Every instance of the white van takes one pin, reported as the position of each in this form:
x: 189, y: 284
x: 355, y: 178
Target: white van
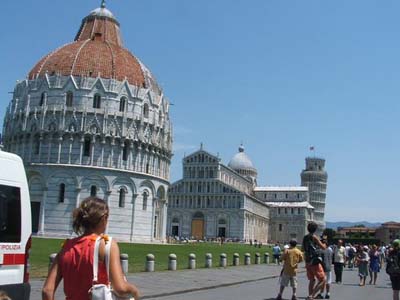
x: 15, y: 227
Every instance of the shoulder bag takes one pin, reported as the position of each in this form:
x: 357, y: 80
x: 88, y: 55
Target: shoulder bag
x: 103, y: 291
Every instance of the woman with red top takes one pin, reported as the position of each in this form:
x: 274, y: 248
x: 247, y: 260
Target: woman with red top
x: 74, y: 263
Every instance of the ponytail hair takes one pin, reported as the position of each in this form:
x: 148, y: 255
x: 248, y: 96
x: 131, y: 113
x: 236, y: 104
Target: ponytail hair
x: 88, y: 214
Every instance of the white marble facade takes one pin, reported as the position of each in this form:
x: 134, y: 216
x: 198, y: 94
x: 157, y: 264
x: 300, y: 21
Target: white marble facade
x: 82, y: 135
x: 213, y: 200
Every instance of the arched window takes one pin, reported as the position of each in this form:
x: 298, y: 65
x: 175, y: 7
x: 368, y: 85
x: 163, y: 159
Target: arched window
x: 86, y: 147
x: 125, y: 151
x: 42, y: 99
x: 122, y: 104
x: 97, y: 101
x: 146, y: 110
x: 70, y: 99
x: 93, y: 191
x: 145, y: 197
x: 61, y: 193
x: 122, y: 193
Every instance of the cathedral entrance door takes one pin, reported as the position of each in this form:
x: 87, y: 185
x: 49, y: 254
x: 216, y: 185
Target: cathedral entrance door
x: 198, y: 229
x: 221, y: 232
x: 198, y: 226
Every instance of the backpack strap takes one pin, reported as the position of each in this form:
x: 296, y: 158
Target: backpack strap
x: 107, y: 257
x: 96, y: 257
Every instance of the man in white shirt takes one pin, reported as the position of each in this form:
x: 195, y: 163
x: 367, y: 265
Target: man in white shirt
x: 339, y: 257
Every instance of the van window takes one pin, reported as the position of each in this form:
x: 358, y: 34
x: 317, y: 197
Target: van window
x: 10, y: 214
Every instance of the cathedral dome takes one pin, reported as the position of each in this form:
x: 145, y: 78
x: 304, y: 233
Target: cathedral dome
x: 240, y: 161
x: 97, y: 51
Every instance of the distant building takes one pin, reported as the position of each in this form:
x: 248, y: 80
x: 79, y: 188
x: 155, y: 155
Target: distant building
x: 214, y: 200
x: 388, y: 232
x: 91, y: 120
x: 356, y: 232
x: 290, y: 211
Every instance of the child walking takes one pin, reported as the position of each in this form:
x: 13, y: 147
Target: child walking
x: 291, y: 257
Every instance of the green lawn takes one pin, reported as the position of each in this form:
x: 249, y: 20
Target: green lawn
x: 42, y: 248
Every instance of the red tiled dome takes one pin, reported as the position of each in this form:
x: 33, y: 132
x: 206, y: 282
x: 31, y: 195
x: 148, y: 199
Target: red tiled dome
x: 96, y: 51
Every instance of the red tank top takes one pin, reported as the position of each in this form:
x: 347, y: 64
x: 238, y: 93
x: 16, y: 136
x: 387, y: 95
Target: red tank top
x: 76, y: 267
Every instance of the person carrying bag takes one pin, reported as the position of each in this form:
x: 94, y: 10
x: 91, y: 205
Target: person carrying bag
x: 103, y: 291
x: 89, y: 262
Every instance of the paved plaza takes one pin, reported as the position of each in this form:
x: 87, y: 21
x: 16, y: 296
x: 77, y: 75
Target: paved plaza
x: 255, y: 282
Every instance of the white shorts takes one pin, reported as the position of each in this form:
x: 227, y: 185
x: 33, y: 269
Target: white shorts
x: 328, y: 277
x: 286, y: 279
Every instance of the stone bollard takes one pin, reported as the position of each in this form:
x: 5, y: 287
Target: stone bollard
x: 192, y: 261
x: 257, y: 260
x: 247, y: 259
x: 149, y: 263
x: 222, y: 260
x: 266, y: 258
x: 236, y: 259
x: 52, y: 257
x: 208, y: 262
x: 172, y: 262
x: 124, y: 258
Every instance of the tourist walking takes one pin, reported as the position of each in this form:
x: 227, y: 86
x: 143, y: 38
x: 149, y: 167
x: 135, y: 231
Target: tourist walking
x: 362, y: 259
x: 393, y: 268
x: 339, y: 258
x: 74, y: 263
x: 328, y: 257
x: 374, y: 264
x: 276, y: 252
x: 350, y: 256
x: 315, y: 272
x: 291, y: 258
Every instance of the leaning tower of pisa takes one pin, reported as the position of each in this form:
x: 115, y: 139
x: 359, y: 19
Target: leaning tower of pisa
x: 315, y: 178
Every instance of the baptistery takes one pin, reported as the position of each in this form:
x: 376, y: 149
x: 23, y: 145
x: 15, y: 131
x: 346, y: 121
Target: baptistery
x: 91, y: 120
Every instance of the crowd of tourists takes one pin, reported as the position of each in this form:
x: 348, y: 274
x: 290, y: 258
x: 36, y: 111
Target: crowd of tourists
x: 321, y: 259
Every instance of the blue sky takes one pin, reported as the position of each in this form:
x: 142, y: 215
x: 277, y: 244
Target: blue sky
x: 278, y: 75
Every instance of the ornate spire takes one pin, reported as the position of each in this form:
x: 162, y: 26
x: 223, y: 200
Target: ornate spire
x: 103, y: 4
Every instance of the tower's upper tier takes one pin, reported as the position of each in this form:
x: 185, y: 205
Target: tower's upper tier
x: 97, y: 51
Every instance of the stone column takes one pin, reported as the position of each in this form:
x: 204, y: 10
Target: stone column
x: 78, y: 195
x: 71, y: 141
x: 60, y: 140
x: 40, y: 147
x: 81, y: 149
x: 121, y: 152
x: 42, y: 214
x: 92, y: 149
x: 164, y: 217
x: 49, y: 148
x: 130, y: 155
x: 111, y: 159
x: 133, y: 216
x: 103, y: 142
x: 107, y: 199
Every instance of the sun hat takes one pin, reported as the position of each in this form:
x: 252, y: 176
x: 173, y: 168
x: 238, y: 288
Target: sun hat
x: 396, y: 243
x: 365, y: 247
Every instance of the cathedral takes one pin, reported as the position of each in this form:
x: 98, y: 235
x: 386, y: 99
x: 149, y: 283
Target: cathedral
x: 91, y: 120
x: 214, y: 200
